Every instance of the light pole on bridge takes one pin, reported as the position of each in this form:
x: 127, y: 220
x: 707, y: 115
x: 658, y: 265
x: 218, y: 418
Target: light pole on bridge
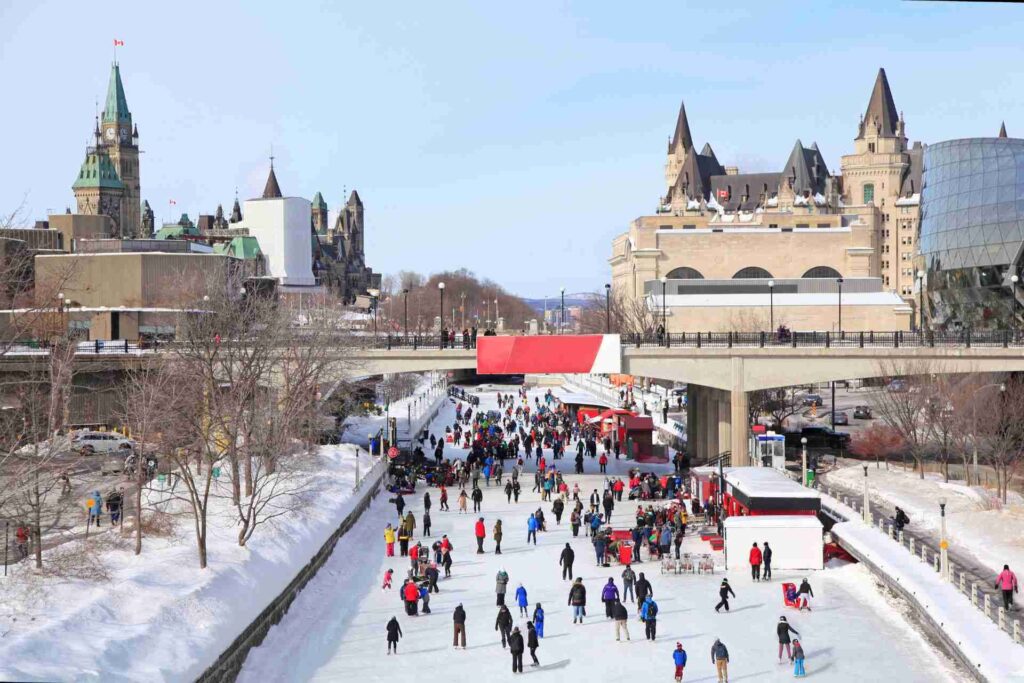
x: 405, y: 296
x: 608, y: 309
x: 561, y: 321
x: 440, y: 319
x: 839, y: 281
x: 771, y: 307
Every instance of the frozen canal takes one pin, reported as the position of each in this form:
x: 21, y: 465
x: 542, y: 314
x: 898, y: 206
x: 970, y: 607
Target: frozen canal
x: 335, y: 630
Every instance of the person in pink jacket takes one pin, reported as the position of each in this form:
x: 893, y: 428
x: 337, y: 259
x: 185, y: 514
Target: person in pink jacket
x: 1007, y: 582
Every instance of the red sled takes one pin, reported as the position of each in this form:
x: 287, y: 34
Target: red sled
x: 789, y: 589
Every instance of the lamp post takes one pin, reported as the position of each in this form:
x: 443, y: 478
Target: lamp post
x: 440, y: 319
x: 664, y: 307
x: 920, y: 301
x: 405, y: 296
x: 1013, y: 304
x: 803, y: 459
x: 487, y: 312
x: 771, y: 306
x: 463, y: 310
x: 943, y: 543
x: 839, y: 281
x: 867, y: 503
x: 608, y: 309
x: 974, y: 422
x: 63, y: 323
x: 561, y: 322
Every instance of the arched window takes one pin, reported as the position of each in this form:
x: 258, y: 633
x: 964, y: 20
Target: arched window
x: 869, y: 193
x: 751, y: 272
x: 822, y: 271
x: 684, y: 273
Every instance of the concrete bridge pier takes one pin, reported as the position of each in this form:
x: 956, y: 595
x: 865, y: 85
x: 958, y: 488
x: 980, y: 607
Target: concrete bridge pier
x: 710, y: 426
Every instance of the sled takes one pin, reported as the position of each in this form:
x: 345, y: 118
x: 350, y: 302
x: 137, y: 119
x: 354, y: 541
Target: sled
x: 787, y: 590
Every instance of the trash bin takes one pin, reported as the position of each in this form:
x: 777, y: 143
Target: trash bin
x: 625, y: 553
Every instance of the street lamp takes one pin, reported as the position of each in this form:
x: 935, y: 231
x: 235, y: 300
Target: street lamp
x: 771, y: 306
x: 920, y: 300
x: 561, y: 323
x: 839, y: 281
x: 608, y: 309
x: 1013, y: 304
x: 974, y: 422
x: 463, y: 310
x: 440, y: 288
x: 867, y: 503
x: 943, y: 543
x: 63, y: 322
x: 405, y: 295
x: 496, y: 316
x: 664, y: 307
x: 803, y: 458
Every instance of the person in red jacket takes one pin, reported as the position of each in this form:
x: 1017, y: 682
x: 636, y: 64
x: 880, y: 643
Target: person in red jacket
x: 481, y: 533
x: 603, y: 462
x: 411, y: 593
x: 755, y: 562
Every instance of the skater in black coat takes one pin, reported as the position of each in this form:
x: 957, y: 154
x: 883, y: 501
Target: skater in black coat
x: 566, y: 560
x: 642, y: 588
x: 532, y: 642
x: 503, y: 624
x: 515, y: 646
x: 783, y: 629
x: 399, y: 504
x: 394, y: 633
x: 766, y: 557
x: 723, y: 592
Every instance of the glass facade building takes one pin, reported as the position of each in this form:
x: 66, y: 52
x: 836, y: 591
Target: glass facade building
x: 972, y: 233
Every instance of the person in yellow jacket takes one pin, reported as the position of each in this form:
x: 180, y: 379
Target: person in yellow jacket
x: 389, y: 541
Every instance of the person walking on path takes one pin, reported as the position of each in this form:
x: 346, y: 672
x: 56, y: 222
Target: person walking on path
x: 522, y: 601
x: 804, y: 595
x: 628, y: 579
x: 389, y: 541
x: 516, y: 647
x: 643, y: 591
x: 766, y: 557
x: 444, y: 499
x: 480, y: 531
x: 411, y: 595
x: 574, y: 523
x: 558, y: 507
x: 724, y: 591
x: 531, y: 529
x: 538, y: 620
x: 755, y: 562
x: 459, y: 625
x: 566, y: 559
x: 609, y: 596
x: 798, y: 659
x: 478, y: 498
x: 679, y: 659
x: 399, y: 504
x: 426, y: 522
x: 783, y: 629
x: 426, y: 501
x: 394, y: 633
x: 508, y: 491
x: 503, y: 624
x: 720, y: 658
x: 463, y: 498
x: 1007, y: 583
x: 501, y: 585
x: 578, y: 600
x: 497, y: 537
x: 621, y: 617
x: 532, y: 642
x: 649, y: 615
x: 403, y: 541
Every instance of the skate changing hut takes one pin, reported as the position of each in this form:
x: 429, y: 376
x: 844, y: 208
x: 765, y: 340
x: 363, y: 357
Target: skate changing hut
x: 797, y: 541
x: 754, y: 491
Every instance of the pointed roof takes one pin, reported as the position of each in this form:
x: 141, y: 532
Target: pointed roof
x: 318, y: 201
x: 272, y: 190
x: 708, y: 152
x: 116, y: 109
x: 807, y: 169
x: 97, y: 171
x: 354, y: 199
x: 881, y: 114
x: 1002, y: 130
x: 681, y: 136
x: 236, y: 213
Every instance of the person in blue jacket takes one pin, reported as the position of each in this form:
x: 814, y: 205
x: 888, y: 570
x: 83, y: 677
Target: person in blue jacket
x: 522, y: 601
x: 679, y: 658
x: 538, y: 620
x: 531, y: 529
x: 649, y: 615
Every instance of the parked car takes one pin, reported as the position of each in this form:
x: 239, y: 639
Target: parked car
x: 813, y: 400
x: 818, y: 437
x: 841, y: 418
x: 899, y: 386
x: 88, y: 443
x: 862, y: 413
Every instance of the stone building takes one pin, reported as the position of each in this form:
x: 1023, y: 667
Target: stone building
x: 108, y: 180
x: 341, y: 261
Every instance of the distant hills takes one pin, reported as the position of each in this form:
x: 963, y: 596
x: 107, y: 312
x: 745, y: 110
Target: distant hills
x: 553, y: 302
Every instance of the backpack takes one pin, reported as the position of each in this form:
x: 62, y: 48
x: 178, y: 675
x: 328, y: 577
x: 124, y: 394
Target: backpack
x: 652, y: 610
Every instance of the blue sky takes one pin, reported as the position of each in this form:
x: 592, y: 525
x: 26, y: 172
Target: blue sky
x: 514, y: 139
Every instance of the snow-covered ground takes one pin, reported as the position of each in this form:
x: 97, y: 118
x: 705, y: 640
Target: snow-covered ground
x: 417, y: 406
x: 976, y: 520
x: 157, y: 616
x: 336, y: 628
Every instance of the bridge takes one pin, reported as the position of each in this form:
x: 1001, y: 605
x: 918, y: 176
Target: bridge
x: 719, y: 368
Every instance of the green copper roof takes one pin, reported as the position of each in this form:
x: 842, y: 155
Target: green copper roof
x: 171, y: 231
x: 116, y: 110
x: 318, y: 200
x: 97, y: 171
x: 244, y: 247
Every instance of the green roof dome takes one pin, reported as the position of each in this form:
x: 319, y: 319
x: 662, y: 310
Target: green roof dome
x: 98, y: 171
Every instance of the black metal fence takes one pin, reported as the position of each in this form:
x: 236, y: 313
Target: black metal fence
x: 828, y: 339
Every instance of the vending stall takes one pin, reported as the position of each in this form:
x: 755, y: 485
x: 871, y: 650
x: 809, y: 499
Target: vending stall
x: 757, y: 491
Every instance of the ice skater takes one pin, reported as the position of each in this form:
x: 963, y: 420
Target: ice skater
x: 394, y: 633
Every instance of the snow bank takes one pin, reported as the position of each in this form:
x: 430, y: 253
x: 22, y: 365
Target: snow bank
x: 159, y: 617
x: 976, y: 520
x: 980, y: 640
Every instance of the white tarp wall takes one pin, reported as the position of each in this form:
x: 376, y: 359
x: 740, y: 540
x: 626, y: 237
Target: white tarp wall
x: 796, y: 541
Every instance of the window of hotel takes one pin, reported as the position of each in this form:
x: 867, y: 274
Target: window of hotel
x: 684, y: 273
x: 751, y: 272
x: 689, y: 226
x: 822, y: 271
x: 823, y: 225
x: 871, y: 147
x: 869, y: 193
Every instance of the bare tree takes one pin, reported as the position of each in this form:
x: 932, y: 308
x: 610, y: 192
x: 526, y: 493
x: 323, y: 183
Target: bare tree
x: 906, y: 411
x: 1001, y: 433
x: 626, y: 315
x: 878, y: 441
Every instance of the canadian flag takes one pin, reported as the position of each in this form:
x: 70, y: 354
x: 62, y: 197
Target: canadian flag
x: 172, y: 202
x: 118, y: 43
x: 723, y: 194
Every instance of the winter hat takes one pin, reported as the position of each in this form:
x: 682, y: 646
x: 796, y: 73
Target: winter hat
x: 679, y: 646
x: 782, y: 618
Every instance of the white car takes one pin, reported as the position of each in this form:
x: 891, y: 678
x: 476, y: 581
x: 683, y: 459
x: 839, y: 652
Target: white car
x: 88, y: 443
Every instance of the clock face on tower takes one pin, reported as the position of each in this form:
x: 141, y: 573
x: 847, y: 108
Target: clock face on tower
x: 110, y: 133
x: 124, y: 135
